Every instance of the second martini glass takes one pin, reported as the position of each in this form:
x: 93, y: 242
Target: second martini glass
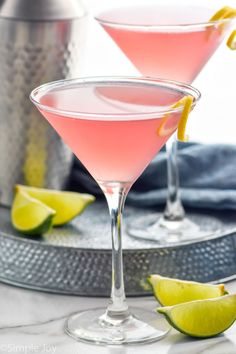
x: 174, y: 42
x: 115, y: 126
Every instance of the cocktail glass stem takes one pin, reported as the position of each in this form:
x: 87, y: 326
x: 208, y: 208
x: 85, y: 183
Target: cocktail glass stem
x: 174, y: 210
x: 173, y: 226
x: 115, y: 194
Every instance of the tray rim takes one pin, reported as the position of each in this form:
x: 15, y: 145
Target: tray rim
x: 226, y: 233
x: 225, y: 239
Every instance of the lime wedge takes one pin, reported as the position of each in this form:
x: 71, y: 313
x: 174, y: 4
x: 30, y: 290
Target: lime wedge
x: 30, y: 216
x: 66, y: 204
x: 169, y: 292
x: 202, y: 318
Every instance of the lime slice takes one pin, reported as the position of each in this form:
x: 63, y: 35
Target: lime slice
x: 202, y: 318
x: 30, y: 216
x: 169, y: 292
x: 231, y: 43
x: 164, y: 129
x: 66, y: 204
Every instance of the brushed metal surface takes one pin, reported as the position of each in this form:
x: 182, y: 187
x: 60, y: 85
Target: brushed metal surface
x: 42, y: 10
x: 32, y: 53
x: 76, y: 259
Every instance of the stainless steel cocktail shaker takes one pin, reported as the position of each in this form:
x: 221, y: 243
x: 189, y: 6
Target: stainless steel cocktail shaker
x: 40, y: 41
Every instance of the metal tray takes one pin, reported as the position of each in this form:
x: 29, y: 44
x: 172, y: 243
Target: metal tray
x: 76, y: 259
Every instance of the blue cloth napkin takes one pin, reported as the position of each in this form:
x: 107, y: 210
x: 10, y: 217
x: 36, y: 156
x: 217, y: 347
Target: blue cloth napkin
x: 207, y: 178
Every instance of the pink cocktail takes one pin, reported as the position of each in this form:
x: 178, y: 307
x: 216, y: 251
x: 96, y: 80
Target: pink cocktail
x: 115, y: 126
x: 172, y: 42
x: 113, y: 150
x: 159, y: 41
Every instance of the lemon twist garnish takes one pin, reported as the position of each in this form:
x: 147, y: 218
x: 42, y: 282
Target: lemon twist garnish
x: 231, y: 43
x: 225, y: 13
x: 163, y: 130
x: 221, y: 14
x: 186, y: 102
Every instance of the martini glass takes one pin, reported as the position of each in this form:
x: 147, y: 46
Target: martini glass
x: 173, y: 42
x: 105, y: 134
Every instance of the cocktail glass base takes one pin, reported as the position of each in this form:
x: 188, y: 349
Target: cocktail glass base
x: 156, y: 228
x: 94, y: 326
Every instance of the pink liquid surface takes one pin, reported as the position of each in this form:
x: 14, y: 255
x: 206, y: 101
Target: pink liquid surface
x: 171, y: 53
x: 112, y: 147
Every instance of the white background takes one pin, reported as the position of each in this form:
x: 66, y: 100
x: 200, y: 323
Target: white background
x: 214, y: 120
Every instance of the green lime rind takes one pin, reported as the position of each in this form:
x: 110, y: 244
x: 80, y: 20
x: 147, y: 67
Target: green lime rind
x: 194, y: 335
x: 202, y: 318
x: 169, y: 292
x: 30, y: 216
x: 40, y: 230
